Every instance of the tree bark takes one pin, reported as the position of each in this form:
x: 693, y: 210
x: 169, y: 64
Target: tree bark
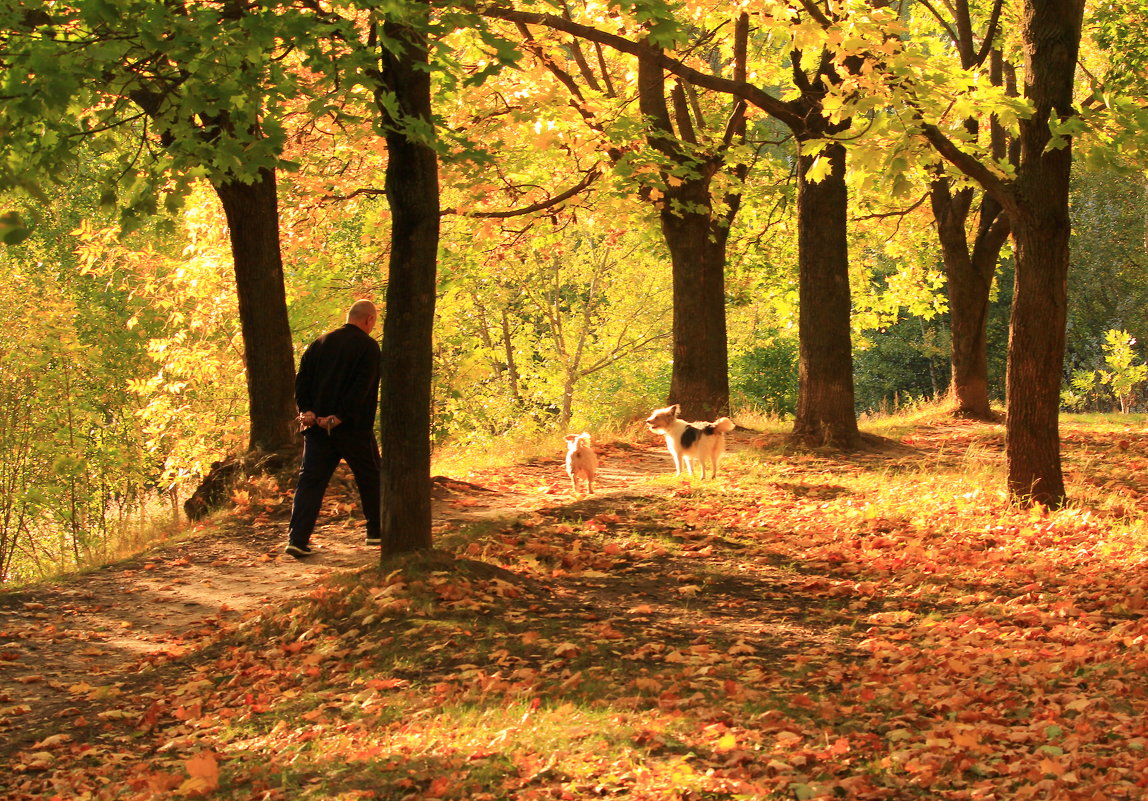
x: 969, y: 270
x: 1035, y: 358
x: 696, y: 238
x: 252, y: 212
x: 1051, y: 37
x: 969, y: 278
x: 825, y: 401
x: 407, y: 346
x: 697, y: 245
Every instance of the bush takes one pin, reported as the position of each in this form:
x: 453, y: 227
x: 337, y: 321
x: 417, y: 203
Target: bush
x: 764, y: 377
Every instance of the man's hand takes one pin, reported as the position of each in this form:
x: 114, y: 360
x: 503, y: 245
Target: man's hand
x: 306, y: 420
x: 328, y: 422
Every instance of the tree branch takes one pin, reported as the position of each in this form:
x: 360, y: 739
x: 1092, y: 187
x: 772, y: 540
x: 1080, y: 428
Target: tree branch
x: 578, y: 100
x: 580, y: 59
x: 887, y: 214
x: 990, y: 34
x: 368, y: 191
x: 682, y: 113
x: 610, y: 90
x: 652, y: 103
x: 747, y: 91
x: 818, y: 15
x: 941, y: 21
x: 591, y: 176
x: 970, y: 166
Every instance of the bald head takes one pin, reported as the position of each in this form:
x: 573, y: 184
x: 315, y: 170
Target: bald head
x: 362, y: 314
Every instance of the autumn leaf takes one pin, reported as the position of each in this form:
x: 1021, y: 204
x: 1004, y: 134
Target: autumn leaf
x: 53, y: 740
x: 567, y: 650
x: 203, y: 774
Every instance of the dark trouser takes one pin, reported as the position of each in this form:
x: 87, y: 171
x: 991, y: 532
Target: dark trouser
x: 322, y: 452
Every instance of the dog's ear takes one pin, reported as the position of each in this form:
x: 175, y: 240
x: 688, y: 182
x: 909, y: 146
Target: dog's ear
x: 676, y: 409
x: 571, y: 437
x: 586, y: 436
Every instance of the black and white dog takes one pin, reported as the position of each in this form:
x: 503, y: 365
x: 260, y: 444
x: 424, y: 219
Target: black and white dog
x: 691, y: 442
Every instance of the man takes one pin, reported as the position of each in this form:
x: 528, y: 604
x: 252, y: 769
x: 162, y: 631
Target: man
x: 337, y: 393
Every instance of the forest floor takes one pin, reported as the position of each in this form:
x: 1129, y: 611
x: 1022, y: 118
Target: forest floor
x: 93, y: 628
x: 876, y: 625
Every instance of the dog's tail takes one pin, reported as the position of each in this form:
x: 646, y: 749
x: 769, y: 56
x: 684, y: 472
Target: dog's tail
x: 724, y: 425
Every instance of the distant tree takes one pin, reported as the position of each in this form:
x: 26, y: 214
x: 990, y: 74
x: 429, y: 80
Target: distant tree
x: 764, y: 377
x: 904, y: 362
x: 692, y: 175
x: 1125, y: 370
x: 77, y: 469
x: 77, y: 70
x: 1106, y: 286
x: 971, y: 259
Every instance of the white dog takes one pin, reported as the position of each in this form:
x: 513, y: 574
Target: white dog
x: 581, y: 461
x: 691, y: 442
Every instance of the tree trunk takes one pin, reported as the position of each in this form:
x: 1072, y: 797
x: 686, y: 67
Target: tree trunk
x: 567, y: 412
x: 696, y: 238
x: 1035, y: 359
x: 407, y: 347
x: 511, y: 362
x: 252, y: 212
x: 969, y: 271
x: 825, y: 395
x: 697, y: 241
x: 969, y: 278
x: 1051, y: 36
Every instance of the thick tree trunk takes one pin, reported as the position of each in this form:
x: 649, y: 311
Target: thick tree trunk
x: 969, y: 277
x: 825, y: 395
x: 1051, y: 36
x: 969, y: 270
x: 407, y: 347
x: 252, y: 212
x: 697, y: 242
x: 696, y: 238
x: 1035, y: 358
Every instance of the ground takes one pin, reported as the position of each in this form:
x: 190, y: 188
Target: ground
x: 883, y: 624
x: 58, y: 640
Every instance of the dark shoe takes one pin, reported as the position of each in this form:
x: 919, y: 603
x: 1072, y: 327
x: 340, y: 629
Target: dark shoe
x: 373, y: 542
x: 299, y: 551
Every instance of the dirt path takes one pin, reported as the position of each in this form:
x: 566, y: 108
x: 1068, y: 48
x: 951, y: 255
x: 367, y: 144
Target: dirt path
x: 67, y: 642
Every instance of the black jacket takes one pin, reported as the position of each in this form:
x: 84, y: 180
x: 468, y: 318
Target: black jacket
x: 339, y: 375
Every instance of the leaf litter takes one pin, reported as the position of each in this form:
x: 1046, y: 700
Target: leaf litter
x: 875, y: 626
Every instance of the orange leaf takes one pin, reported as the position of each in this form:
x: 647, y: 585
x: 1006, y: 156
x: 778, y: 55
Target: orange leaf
x: 203, y: 770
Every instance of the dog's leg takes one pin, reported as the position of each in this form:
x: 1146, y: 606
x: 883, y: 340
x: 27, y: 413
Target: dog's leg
x: 718, y: 451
